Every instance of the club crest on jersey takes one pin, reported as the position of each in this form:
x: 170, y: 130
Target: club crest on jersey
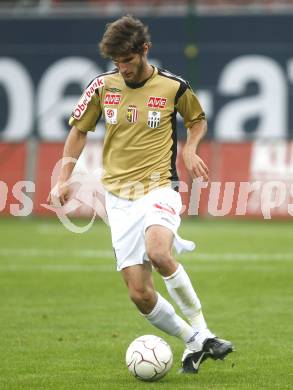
x: 112, y: 99
x: 154, y: 118
x: 157, y: 102
x: 111, y: 115
x: 132, y: 113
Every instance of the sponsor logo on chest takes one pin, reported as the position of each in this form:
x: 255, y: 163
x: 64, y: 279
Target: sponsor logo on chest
x: 112, y: 99
x: 157, y: 102
x: 154, y: 118
x: 132, y: 113
x: 111, y: 115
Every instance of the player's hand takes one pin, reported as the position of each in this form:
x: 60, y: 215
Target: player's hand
x: 59, y: 195
x: 195, y: 165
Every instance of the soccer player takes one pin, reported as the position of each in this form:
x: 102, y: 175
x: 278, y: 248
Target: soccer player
x: 139, y: 103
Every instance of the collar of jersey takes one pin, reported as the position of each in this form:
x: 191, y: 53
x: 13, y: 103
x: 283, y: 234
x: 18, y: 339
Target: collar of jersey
x: 142, y: 83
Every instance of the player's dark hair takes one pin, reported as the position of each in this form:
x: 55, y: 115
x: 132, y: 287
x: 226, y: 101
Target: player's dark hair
x: 124, y: 36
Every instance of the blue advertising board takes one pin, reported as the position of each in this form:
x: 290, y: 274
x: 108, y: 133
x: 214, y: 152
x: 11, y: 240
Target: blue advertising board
x: 241, y: 67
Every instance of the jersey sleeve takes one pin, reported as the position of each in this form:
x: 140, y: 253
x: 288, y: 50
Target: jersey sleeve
x: 88, y: 110
x: 189, y: 107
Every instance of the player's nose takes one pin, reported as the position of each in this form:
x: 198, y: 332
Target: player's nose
x: 123, y: 68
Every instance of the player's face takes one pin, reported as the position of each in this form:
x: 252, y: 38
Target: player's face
x: 131, y: 67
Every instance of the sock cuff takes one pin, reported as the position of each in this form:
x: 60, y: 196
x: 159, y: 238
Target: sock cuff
x: 178, y: 270
x: 156, y: 308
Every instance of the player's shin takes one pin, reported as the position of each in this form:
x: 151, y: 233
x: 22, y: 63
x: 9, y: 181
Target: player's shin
x: 182, y: 292
x: 163, y: 316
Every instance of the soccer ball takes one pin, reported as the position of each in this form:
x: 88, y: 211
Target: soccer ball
x: 149, y: 358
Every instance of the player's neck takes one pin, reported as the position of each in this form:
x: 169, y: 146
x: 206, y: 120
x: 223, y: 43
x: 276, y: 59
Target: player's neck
x: 146, y: 73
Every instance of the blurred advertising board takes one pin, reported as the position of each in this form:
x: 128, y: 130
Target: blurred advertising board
x: 240, y: 66
x: 250, y: 179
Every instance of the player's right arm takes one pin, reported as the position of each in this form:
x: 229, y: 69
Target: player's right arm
x: 83, y: 119
x: 73, y: 147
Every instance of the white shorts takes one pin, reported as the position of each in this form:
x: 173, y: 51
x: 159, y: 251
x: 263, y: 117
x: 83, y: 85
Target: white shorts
x: 129, y: 220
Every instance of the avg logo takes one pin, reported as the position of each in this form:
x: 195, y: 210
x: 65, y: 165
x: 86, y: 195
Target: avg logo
x: 157, y: 102
x: 112, y: 98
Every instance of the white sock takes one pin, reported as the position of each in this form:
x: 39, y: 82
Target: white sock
x: 180, y: 289
x: 163, y: 316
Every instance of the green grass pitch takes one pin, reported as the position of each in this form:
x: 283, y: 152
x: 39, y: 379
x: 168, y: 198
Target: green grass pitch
x: 66, y: 320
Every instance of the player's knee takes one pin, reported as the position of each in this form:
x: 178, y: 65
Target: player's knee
x: 142, y: 296
x: 157, y: 255
x: 160, y: 259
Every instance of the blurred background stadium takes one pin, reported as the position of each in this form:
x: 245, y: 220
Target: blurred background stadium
x: 65, y: 318
x: 237, y: 56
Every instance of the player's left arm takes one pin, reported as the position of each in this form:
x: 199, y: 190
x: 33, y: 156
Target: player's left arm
x: 193, y: 163
x: 194, y: 120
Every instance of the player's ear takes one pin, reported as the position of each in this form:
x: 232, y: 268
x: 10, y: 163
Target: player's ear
x: 146, y: 46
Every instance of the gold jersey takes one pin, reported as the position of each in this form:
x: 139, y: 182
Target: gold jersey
x: 140, y: 143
